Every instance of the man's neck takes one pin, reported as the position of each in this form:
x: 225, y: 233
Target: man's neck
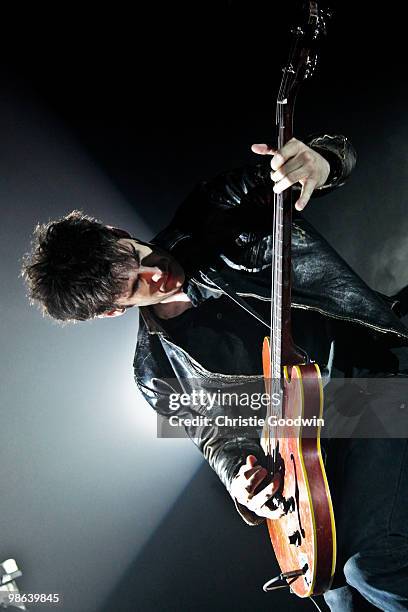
x: 173, y: 307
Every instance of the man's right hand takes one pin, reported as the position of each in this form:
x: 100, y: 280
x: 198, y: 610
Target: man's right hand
x: 244, y: 486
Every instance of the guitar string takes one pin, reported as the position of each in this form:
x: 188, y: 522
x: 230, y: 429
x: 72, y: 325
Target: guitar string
x: 275, y: 348
x: 276, y: 298
x: 271, y: 456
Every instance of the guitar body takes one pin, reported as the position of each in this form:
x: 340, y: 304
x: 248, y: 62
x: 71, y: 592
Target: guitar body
x: 305, y: 533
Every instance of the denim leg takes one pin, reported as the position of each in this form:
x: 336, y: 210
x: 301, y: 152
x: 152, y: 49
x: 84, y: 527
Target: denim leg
x: 381, y: 578
x: 347, y: 599
x: 369, y: 483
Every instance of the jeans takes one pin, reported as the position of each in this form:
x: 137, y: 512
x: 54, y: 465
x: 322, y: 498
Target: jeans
x: 369, y: 479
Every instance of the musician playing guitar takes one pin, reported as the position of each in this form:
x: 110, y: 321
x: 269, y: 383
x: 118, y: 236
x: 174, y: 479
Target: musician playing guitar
x: 203, y: 287
x: 227, y: 217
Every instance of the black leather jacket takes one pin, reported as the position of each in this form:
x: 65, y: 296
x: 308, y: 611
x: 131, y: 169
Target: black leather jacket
x: 224, y: 226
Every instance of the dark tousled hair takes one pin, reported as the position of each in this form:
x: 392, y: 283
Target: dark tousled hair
x: 75, y: 270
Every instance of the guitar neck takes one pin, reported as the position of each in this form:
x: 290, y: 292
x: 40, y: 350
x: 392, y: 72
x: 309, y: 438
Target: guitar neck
x: 283, y: 349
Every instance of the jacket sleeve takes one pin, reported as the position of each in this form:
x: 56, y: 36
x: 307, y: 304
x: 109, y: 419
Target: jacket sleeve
x: 224, y: 453
x: 340, y: 154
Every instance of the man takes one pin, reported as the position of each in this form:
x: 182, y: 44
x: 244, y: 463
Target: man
x: 193, y: 335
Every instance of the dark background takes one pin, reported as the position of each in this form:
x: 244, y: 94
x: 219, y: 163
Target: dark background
x: 164, y: 94
x: 161, y: 95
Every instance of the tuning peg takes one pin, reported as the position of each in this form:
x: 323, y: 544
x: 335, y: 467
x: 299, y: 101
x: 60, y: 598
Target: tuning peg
x: 297, y: 30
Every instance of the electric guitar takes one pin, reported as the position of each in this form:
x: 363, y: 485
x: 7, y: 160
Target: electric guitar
x: 304, y: 535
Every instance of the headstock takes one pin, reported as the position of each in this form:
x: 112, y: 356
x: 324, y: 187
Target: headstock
x: 311, y: 28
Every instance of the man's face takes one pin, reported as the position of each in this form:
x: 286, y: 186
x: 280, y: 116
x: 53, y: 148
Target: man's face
x: 155, y: 277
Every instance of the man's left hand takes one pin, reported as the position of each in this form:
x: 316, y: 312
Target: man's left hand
x: 295, y: 162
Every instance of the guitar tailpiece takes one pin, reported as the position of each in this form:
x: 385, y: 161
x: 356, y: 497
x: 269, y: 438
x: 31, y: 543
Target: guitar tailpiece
x: 284, y: 577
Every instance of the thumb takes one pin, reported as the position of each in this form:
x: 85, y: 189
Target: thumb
x: 251, y: 461
x: 263, y: 149
x: 305, y: 195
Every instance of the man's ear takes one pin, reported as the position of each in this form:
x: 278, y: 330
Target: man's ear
x: 115, y: 312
